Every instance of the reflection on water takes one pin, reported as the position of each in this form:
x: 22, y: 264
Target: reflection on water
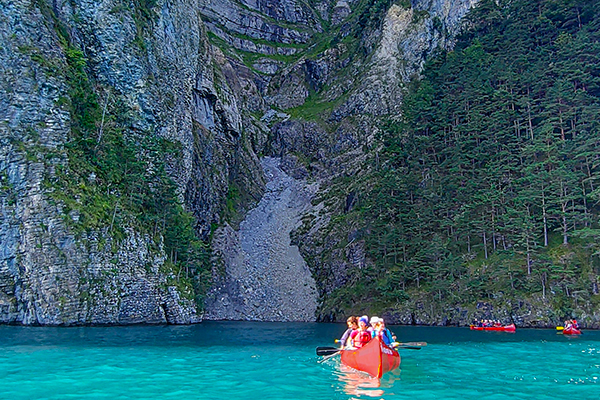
x: 356, y: 383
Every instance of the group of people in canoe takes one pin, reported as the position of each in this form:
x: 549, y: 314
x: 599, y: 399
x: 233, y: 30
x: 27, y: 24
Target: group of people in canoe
x: 487, y: 323
x: 361, y: 330
x: 571, y: 324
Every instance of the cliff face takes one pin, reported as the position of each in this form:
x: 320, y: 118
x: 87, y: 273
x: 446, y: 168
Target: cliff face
x: 407, y: 37
x: 327, y: 76
x: 301, y: 80
x: 157, y: 64
x: 343, y: 64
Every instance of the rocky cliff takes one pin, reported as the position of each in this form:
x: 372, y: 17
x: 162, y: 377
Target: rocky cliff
x: 152, y: 63
x: 326, y: 82
x: 194, y: 88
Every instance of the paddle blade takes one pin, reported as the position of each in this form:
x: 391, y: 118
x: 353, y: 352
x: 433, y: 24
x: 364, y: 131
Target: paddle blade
x: 410, y: 344
x: 326, y: 351
x: 408, y: 347
x: 560, y: 328
x: 329, y: 356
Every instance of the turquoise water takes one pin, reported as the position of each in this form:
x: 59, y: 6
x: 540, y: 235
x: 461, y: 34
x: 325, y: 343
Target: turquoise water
x: 241, y: 360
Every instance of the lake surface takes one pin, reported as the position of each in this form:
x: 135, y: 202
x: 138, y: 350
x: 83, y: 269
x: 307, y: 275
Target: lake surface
x: 244, y: 360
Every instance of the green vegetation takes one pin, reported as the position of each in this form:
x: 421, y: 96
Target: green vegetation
x: 7, y: 190
x: 488, y: 187
x: 115, y: 180
x: 370, y: 14
x: 143, y: 15
x: 313, y: 109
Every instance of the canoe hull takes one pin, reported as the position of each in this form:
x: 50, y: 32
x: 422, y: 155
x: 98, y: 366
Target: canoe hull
x: 571, y: 331
x: 374, y: 358
x: 507, y: 328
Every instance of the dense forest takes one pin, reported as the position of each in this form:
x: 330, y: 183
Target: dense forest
x: 486, y: 187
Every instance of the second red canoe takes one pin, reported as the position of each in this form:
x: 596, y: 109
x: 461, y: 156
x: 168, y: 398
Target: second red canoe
x: 507, y: 328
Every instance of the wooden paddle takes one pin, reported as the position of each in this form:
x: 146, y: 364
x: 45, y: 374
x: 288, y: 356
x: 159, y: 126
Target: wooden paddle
x: 327, y: 351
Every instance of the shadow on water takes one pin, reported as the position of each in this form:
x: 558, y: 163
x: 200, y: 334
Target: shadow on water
x: 206, y: 334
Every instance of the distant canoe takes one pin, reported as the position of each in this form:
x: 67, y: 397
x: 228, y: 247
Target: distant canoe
x: 507, y: 328
x: 571, y: 331
x: 374, y: 358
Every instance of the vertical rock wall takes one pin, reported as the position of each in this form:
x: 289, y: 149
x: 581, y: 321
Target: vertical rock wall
x: 31, y: 124
x: 161, y: 67
x: 154, y: 58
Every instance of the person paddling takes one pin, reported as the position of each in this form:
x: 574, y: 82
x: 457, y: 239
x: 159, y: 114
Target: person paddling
x: 352, y: 323
x: 568, y: 324
x: 571, y: 324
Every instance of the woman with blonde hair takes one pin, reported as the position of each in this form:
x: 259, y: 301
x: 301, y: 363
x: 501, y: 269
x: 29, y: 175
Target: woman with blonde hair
x: 383, y: 332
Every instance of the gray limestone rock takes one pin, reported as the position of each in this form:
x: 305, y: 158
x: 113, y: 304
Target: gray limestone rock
x: 407, y: 38
x: 256, y: 19
x: 341, y: 11
x: 265, y: 278
x: 173, y: 85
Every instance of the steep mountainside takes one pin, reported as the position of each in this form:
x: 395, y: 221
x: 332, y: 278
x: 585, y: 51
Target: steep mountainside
x: 99, y: 100
x: 130, y: 132
x: 482, y: 201
x: 324, y: 95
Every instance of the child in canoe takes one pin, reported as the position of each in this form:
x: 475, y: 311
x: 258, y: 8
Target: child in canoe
x: 361, y: 336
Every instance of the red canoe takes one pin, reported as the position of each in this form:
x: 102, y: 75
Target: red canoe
x: 571, y: 331
x: 374, y: 358
x: 507, y: 328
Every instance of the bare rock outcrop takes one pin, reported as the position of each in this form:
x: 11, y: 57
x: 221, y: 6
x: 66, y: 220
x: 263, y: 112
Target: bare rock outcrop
x: 408, y: 37
x: 264, y: 277
x: 157, y: 63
